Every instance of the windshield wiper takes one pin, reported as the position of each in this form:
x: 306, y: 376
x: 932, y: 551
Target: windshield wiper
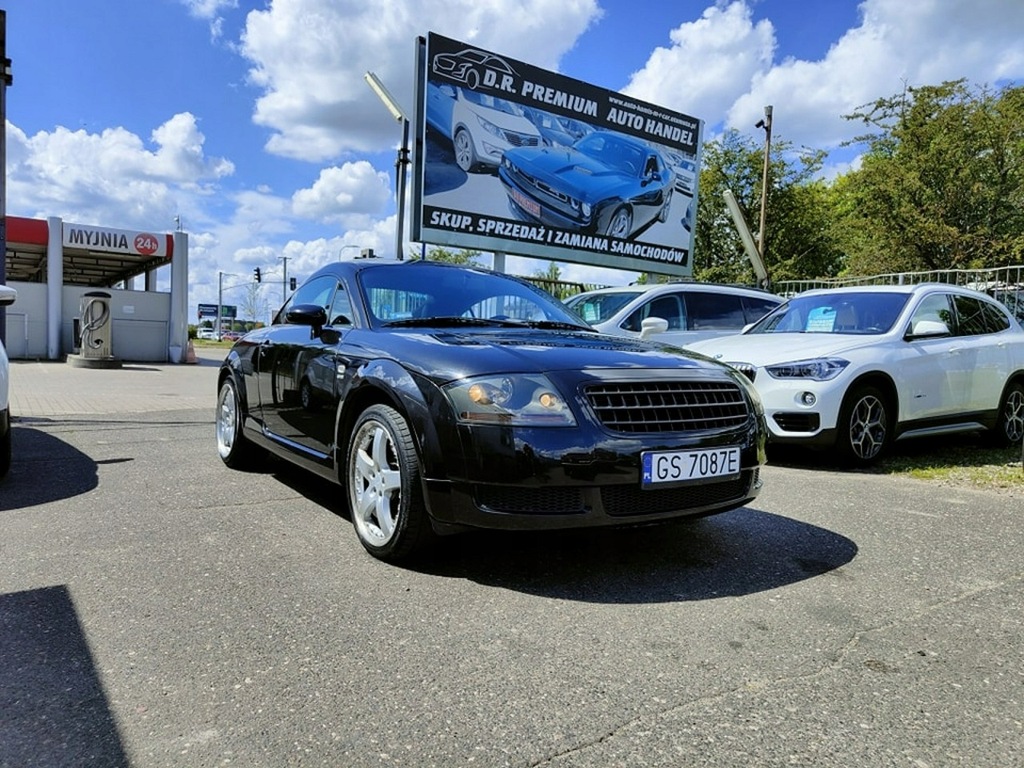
x: 445, y: 321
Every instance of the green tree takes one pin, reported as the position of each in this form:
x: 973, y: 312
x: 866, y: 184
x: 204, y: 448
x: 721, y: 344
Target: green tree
x: 941, y: 185
x: 464, y: 256
x: 799, y: 212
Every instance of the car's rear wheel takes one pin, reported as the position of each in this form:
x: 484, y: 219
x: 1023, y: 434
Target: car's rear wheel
x: 620, y: 224
x: 465, y: 155
x: 382, y: 472
x: 864, y: 431
x: 234, y: 448
x: 1009, y: 428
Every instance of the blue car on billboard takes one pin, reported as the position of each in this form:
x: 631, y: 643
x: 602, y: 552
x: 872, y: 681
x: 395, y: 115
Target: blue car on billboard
x: 605, y: 184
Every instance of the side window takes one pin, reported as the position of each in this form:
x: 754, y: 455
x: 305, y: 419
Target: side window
x: 341, y: 309
x: 669, y: 308
x: 970, y: 314
x: 754, y: 309
x: 317, y: 292
x: 934, y: 308
x: 715, y: 312
x: 995, y: 320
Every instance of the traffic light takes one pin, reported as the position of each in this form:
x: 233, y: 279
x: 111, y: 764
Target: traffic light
x: 291, y: 283
x: 258, y: 274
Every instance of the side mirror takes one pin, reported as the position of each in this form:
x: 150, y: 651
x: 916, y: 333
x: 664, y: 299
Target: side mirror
x: 928, y: 329
x: 652, y: 325
x: 7, y: 295
x: 307, y: 314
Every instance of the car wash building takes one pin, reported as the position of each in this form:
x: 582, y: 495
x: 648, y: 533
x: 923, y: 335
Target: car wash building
x: 92, y: 292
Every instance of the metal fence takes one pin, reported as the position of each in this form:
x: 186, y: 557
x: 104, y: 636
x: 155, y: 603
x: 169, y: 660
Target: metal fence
x: 1005, y: 284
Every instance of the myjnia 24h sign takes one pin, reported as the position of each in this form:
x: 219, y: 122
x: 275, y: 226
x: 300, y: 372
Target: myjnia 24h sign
x: 515, y: 159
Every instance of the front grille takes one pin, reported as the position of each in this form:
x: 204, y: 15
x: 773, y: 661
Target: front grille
x: 521, y: 139
x: 797, y: 422
x: 565, y: 500
x: 669, y: 406
x: 627, y: 500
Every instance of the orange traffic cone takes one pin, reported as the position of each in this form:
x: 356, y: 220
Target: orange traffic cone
x: 190, y: 353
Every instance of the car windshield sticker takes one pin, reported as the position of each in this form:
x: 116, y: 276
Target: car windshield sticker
x: 820, y: 320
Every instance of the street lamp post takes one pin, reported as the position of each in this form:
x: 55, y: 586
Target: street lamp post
x: 402, y: 161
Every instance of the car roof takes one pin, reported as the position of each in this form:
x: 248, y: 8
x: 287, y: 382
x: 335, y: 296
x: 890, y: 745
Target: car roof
x: 657, y: 288
x: 906, y: 288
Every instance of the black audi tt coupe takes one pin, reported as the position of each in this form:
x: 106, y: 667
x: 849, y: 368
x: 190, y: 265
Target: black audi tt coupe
x: 444, y: 398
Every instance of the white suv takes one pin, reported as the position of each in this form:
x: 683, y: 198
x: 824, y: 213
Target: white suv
x: 853, y: 369
x: 7, y: 296
x: 676, y: 313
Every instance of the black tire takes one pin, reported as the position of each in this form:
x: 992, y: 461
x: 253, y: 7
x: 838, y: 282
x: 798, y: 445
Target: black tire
x: 234, y: 448
x: 864, y: 431
x: 1009, y: 427
x: 382, y: 477
x: 465, y: 154
x: 620, y: 225
x: 306, y: 396
x: 663, y: 213
x: 5, y: 444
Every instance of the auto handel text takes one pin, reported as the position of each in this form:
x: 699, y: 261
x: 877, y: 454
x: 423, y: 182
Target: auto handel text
x: 470, y: 223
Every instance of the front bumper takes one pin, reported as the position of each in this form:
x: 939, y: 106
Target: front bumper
x: 544, y: 479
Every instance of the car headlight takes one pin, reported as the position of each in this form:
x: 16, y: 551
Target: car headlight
x: 517, y: 400
x: 818, y: 369
x: 491, y: 128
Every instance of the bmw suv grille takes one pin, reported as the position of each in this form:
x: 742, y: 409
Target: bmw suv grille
x: 669, y: 406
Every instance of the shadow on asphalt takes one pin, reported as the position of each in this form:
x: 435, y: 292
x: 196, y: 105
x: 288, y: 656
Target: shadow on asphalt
x: 742, y: 552
x: 54, y: 709
x: 36, y: 454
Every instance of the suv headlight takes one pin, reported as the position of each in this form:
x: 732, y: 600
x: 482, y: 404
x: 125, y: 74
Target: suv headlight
x: 818, y: 369
x: 517, y: 400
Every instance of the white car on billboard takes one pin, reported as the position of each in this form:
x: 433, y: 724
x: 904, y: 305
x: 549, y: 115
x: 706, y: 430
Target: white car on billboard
x: 853, y: 369
x: 480, y: 126
x: 7, y: 296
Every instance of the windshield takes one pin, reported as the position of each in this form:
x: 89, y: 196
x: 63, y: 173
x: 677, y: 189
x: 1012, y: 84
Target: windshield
x: 424, y: 293
x: 868, y: 313
x: 598, y: 307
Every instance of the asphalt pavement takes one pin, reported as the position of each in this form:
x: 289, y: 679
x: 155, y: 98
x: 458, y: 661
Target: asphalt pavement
x: 159, y: 609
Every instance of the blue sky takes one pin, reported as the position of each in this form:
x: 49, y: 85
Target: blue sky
x: 252, y: 123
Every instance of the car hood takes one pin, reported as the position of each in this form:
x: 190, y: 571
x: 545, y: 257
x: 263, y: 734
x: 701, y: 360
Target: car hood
x: 447, y: 355
x: 770, y: 348
x: 568, y: 168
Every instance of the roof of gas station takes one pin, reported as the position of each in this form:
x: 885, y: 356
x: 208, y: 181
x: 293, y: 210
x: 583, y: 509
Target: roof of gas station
x: 93, y: 256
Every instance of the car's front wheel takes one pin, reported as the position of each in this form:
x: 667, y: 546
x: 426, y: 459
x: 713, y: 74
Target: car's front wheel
x: 1009, y: 428
x: 234, y: 448
x: 465, y: 155
x: 864, y: 431
x: 620, y: 224
x: 382, y: 473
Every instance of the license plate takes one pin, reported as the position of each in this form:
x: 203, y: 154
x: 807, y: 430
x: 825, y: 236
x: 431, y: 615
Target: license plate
x: 528, y: 205
x: 690, y: 466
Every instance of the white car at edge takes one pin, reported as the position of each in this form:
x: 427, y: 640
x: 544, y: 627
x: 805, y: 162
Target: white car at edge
x: 853, y: 369
x: 7, y: 296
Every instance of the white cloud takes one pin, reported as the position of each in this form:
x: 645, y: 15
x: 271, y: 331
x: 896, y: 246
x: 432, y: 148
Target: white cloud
x: 110, y: 177
x: 344, y: 194
x: 309, y: 57
x: 722, y: 67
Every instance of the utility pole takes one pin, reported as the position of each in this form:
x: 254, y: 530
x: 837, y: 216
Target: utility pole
x: 284, y: 280
x: 767, y: 125
x: 220, y: 301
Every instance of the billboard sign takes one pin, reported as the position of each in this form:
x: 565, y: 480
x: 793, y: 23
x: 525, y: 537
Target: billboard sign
x: 515, y: 159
